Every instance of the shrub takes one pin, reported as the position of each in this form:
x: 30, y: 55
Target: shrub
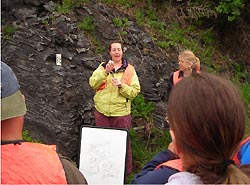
x: 142, y: 109
x: 231, y: 8
x: 68, y: 5
x: 86, y: 24
x: 8, y: 31
x: 26, y: 137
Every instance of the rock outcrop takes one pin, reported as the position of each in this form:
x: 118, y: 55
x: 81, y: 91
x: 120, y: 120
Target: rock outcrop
x: 59, y: 98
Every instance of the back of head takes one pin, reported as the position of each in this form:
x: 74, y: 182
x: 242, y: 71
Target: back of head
x: 207, y: 116
x: 12, y: 101
x: 189, y: 56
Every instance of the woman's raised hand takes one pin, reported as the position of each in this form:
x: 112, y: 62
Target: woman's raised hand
x: 109, y: 67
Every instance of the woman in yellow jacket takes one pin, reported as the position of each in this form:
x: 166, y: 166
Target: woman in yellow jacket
x: 116, y: 84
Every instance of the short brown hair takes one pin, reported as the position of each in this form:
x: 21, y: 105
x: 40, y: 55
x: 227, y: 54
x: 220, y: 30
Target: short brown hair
x: 207, y: 116
x: 115, y: 41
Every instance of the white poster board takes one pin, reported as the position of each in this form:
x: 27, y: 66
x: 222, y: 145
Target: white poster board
x: 102, y: 158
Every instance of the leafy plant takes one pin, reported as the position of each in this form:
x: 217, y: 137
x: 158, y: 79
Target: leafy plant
x: 86, y: 24
x: 26, y: 137
x: 142, y: 109
x: 123, y: 3
x: 231, y: 8
x: 8, y: 31
x: 66, y: 6
x: 142, y: 152
x: 120, y: 22
x: 99, y: 48
x: 198, y: 10
x: 245, y: 89
x: 239, y: 71
x: 157, y: 25
x: 117, y: 22
x: 123, y: 33
x: 85, y: 1
x: 139, y: 16
x: 163, y: 44
x: 69, y: 5
x: 174, y: 34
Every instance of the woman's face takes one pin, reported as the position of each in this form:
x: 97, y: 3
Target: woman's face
x: 116, y: 52
x: 184, y: 64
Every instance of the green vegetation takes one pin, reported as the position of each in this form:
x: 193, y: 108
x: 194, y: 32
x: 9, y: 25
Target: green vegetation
x: 231, y: 8
x: 146, y: 139
x: 145, y: 145
x: 28, y: 138
x: 86, y: 24
x: 121, y: 23
x: 8, y: 31
x: 48, y: 20
x: 98, y: 46
x: 142, y: 109
x: 68, y: 5
x: 122, y: 3
x: 245, y: 92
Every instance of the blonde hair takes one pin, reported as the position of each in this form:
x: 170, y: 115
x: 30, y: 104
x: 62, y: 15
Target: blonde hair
x: 189, y: 56
x: 236, y: 176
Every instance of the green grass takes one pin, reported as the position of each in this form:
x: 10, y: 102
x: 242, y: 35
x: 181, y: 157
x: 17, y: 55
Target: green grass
x: 145, y: 144
x: 8, y: 31
x: 68, y: 5
x: 121, y: 22
x: 146, y: 138
x: 245, y: 92
x: 86, y: 24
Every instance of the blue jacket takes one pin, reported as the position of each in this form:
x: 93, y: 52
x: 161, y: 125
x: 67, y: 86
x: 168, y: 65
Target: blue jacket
x: 244, y: 153
x: 149, y: 175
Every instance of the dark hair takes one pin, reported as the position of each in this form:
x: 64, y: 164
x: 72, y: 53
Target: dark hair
x: 116, y: 41
x: 207, y: 116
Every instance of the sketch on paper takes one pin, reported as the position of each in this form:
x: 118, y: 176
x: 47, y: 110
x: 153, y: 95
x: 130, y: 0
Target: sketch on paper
x: 103, y: 155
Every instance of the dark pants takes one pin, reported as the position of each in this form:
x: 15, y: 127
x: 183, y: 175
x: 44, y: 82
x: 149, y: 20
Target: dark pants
x: 117, y: 122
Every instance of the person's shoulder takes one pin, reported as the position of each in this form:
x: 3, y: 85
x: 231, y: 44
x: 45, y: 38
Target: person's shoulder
x: 184, y: 178
x: 131, y: 66
x: 73, y: 175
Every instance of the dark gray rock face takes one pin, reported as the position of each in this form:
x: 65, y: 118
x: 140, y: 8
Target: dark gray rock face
x: 59, y: 98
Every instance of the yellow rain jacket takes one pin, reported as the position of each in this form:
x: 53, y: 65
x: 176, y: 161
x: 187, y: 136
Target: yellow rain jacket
x: 111, y: 100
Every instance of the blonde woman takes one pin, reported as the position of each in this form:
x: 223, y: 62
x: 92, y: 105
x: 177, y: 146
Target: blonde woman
x: 188, y: 63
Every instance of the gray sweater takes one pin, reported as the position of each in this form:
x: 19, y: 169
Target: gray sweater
x: 184, y: 178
